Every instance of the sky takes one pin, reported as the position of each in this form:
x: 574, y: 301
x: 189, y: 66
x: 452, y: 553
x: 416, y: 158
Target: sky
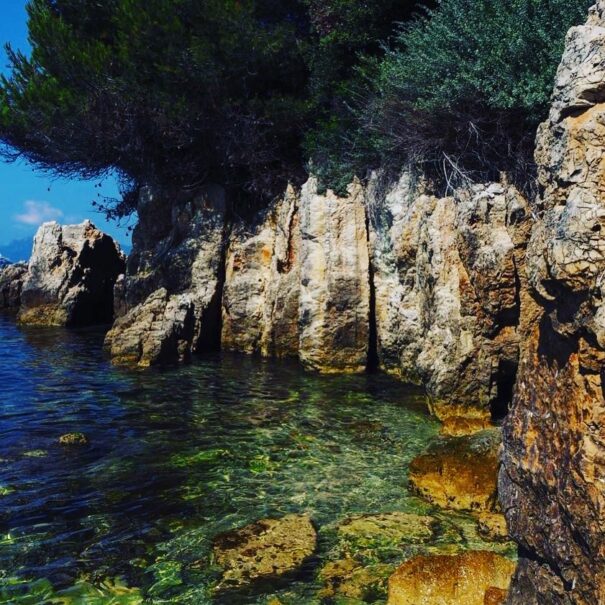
x: 29, y: 197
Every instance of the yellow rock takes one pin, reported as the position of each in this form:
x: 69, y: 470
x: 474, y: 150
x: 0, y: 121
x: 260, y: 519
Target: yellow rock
x: 466, y: 579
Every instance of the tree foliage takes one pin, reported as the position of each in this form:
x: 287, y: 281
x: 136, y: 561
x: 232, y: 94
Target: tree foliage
x: 463, y: 88
x: 173, y: 92
x: 245, y: 92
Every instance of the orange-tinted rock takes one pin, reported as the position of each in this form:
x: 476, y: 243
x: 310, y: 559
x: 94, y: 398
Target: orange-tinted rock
x: 463, y: 579
x: 495, y: 596
x: 460, y: 473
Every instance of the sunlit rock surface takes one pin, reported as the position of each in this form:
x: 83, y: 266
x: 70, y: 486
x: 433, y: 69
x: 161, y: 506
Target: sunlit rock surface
x: 466, y: 579
x: 448, y: 284
x: 552, y: 482
x: 71, y: 275
x: 459, y: 473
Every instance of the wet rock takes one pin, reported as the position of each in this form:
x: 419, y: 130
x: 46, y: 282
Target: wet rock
x: 262, y: 282
x: 71, y: 275
x: 448, y: 277
x: 463, y: 579
x: 267, y: 549
x: 492, y: 527
x: 349, y: 579
x: 11, y: 284
x: 362, y: 532
x: 334, y: 312
x: 74, y: 439
x: 553, y: 467
x: 459, y: 473
x: 168, y: 302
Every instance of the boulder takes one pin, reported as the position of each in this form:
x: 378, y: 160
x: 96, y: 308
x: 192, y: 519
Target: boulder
x: 11, y: 284
x: 266, y: 550
x: 553, y: 466
x: 71, y: 275
x: 465, y: 579
x: 168, y: 304
x: 348, y: 579
x: 448, y: 279
x: 459, y: 473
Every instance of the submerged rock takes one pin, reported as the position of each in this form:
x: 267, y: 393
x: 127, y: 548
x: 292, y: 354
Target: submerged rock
x: 459, y: 473
x: 465, y: 579
x: 348, y: 579
x: 386, y: 529
x: 71, y: 275
x: 74, y: 439
x: 168, y: 303
x: 11, y: 284
x: 265, y: 550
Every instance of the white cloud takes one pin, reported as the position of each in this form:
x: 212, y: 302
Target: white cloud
x: 35, y: 213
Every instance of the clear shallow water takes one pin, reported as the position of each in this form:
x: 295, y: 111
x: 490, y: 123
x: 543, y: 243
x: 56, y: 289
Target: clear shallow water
x: 177, y: 456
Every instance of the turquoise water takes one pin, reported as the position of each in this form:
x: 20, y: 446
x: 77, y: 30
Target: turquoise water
x: 177, y: 456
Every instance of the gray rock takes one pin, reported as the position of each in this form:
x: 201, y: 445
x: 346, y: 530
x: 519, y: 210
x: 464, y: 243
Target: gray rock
x: 168, y: 302
x: 11, y: 284
x: 70, y: 277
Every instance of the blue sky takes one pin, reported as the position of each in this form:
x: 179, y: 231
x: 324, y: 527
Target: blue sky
x: 29, y: 197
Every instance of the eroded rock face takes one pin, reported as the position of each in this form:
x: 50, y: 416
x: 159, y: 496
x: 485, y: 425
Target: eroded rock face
x: 466, y: 579
x: 335, y: 280
x: 262, y: 282
x: 448, y: 281
x: 70, y: 278
x: 267, y: 549
x: 168, y: 303
x: 11, y: 284
x: 297, y: 281
x: 553, y: 474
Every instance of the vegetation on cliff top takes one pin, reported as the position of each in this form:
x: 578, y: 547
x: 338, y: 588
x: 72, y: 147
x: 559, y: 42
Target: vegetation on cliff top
x: 244, y: 92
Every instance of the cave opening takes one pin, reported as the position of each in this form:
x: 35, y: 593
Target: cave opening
x: 505, y: 385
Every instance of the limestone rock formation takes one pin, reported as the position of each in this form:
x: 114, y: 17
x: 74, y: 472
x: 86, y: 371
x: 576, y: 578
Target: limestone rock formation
x: 553, y: 475
x: 71, y: 276
x: 459, y: 473
x: 267, y: 549
x: 262, y: 282
x: 335, y: 278
x: 448, y: 280
x: 465, y: 579
x: 11, y: 284
x: 168, y: 303
x: 297, y: 281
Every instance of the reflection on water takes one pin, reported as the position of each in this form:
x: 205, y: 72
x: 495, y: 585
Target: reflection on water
x: 175, y: 457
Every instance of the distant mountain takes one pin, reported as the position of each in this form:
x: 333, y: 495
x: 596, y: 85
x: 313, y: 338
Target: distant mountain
x: 19, y: 249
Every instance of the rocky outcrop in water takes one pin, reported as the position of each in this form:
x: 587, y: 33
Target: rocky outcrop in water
x: 472, y: 578
x: 449, y: 286
x: 11, y: 284
x: 265, y: 550
x: 70, y: 277
x: 168, y: 303
x: 553, y: 475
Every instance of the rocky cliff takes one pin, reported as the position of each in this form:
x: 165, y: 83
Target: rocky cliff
x: 449, y: 287
x: 553, y: 476
x: 429, y: 288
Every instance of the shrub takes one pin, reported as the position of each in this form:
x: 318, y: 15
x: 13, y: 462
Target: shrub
x: 462, y: 89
